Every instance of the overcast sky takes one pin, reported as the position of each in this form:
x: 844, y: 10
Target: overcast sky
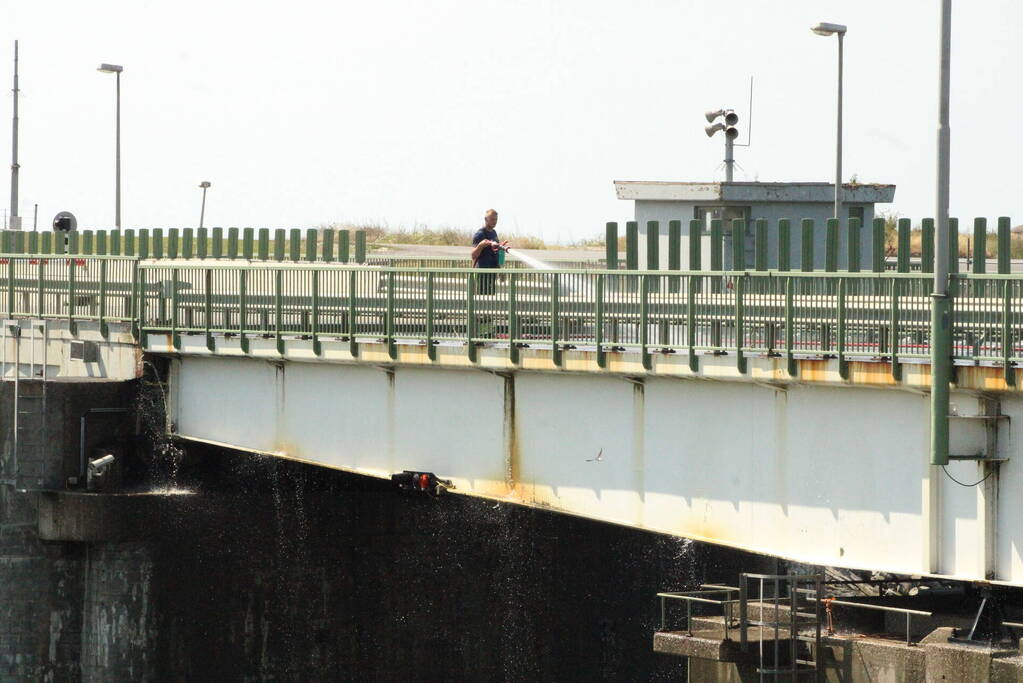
x: 411, y: 112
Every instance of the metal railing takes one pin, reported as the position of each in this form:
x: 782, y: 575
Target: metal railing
x: 789, y: 315
x: 701, y: 597
x: 909, y: 613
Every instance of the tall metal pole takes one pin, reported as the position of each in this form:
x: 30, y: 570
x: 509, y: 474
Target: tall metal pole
x: 838, y: 134
x: 941, y: 303
x: 15, y: 221
x: 117, y: 210
x: 729, y: 157
x: 202, y: 212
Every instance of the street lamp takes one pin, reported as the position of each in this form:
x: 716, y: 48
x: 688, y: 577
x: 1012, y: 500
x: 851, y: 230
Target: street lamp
x: 826, y: 29
x: 116, y: 69
x: 205, y: 185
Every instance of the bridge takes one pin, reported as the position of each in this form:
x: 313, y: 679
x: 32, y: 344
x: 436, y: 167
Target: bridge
x: 778, y: 411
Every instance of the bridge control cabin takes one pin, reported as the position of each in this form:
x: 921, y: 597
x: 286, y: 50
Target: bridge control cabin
x: 665, y: 201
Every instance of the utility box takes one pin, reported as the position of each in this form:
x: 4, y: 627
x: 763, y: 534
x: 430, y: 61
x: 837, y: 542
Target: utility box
x: 665, y: 201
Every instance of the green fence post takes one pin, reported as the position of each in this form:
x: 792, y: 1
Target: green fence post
x: 717, y: 241
x: 611, y: 246
x: 855, y: 229
x: 905, y: 228
x: 188, y: 243
x: 760, y: 244
x: 360, y: 246
x: 280, y: 244
x: 979, y: 245
x: 33, y: 242
x: 953, y: 245
x: 72, y: 244
x: 653, y: 245
x: 343, y: 243
x: 86, y: 242
x: 100, y: 247
x: 738, y: 244
x: 19, y: 242
x: 129, y: 242
x: 327, y: 249
x: 264, y: 244
x: 806, y: 244
x: 831, y: 245
x: 248, y: 235
x: 217, y: 243
x: 46, y: 243
x: 674, y: 253
x: 202, y: 243
x: 927, y: 245
x: 877, y: 246
x: 695, y: 243
x: 784, y: 244
x: 1004, y: 245
x: 310, y: 244
x: 115, y: 243
x: 295, y: 244
x: 7, y: 242
x: 173, y: 236
x: 143, y: 243
x: 232, y: 243
x: 631, y: 245
x: 157, y: 242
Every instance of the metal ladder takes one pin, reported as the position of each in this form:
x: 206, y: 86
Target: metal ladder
x: 30, y: 452
x: 788, y: 645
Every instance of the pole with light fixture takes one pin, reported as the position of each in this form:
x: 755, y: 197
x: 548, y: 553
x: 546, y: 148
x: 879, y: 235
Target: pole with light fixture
x: 116, y: 69
x: 205, y: 185
x: 826, y: 29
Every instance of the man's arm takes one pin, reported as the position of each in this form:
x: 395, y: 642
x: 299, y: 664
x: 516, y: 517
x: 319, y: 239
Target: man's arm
x: 480, y: 246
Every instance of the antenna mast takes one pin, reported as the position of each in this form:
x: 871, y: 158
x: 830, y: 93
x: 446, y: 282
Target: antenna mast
x: 15, y: 223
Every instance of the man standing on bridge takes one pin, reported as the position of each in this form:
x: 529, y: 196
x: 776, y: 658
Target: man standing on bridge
x: 486, y: 246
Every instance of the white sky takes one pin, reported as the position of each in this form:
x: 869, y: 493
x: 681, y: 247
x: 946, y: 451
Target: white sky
x: 405, y: 112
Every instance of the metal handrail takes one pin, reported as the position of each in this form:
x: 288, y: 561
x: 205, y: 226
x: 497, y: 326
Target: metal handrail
x: 690, y: 597
x: 910, y: 613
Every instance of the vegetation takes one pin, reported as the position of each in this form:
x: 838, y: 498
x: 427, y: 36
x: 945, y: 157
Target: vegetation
x: 443, y: 236
x: 891, y: 240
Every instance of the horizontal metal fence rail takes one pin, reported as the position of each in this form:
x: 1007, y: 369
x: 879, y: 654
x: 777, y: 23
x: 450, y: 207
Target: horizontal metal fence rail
x: 789, y: 315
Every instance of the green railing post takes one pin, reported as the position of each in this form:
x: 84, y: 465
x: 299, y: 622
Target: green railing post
x: 264, y: 244
x: 831, y: 245
x: 207, y: 306
x: 695, y: 244
x: 644, y: 325
x: 115, y: 242
x: 143, y: 243
x: 611, y: 246
x: 855, y: 229
x: 470, y: 313
x: 790, y: 358
x: 187, y: 243
x: 46, y: 245
x: 317, y: 348
x: 172, y: 243
x: 760, y: 244
x: 738, y: 244
x: 360, y: 246
x: 556, y: 318
x: 431, y: 347
x: 202, y: 243
x: 740, y: 315
x: 953, y: 245
x: 72, y: 266
x: 1007, y: 342
x: 157, y: 242
x: 103, y: 329
x: 784, y: 244
x: 893, y: 324
x: 280, y: 244
x: 392, y: 350
x: 140, y: 315
x: 40, y: 293
x: 248, y: 243
x: 1004, y: 245
x: 33, y: 242
x: 175, y: 338
x: 674, y: 253
x: 692, y: 285
x: 717, y: 240
x: 310, y: 244
x: 232, y: 243
x: 343, y: 241
x: 843, y: 366
x: 653, y: 245
x: 806, y: 245
x: 7, y: 242
x: 279, y: 308
x: 927, y: 245
x: 129, y: 242
x: 243, y: 306
x: 86, y: 242
x: 877, y: 246
x: 631, y: 245
x: 904, y: 228
x: 598, y: 322
x: 327, y: 249
x: 294, y: 244
x: 353, y: 313
x: 979, y: 245
x: 217, y: 243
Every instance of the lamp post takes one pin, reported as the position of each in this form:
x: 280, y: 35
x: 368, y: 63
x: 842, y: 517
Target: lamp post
x: 205, y: 185
x: 826, y: 29
x: 116, y: 69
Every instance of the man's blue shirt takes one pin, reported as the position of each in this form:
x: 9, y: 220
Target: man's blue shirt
x: 488, y: 257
